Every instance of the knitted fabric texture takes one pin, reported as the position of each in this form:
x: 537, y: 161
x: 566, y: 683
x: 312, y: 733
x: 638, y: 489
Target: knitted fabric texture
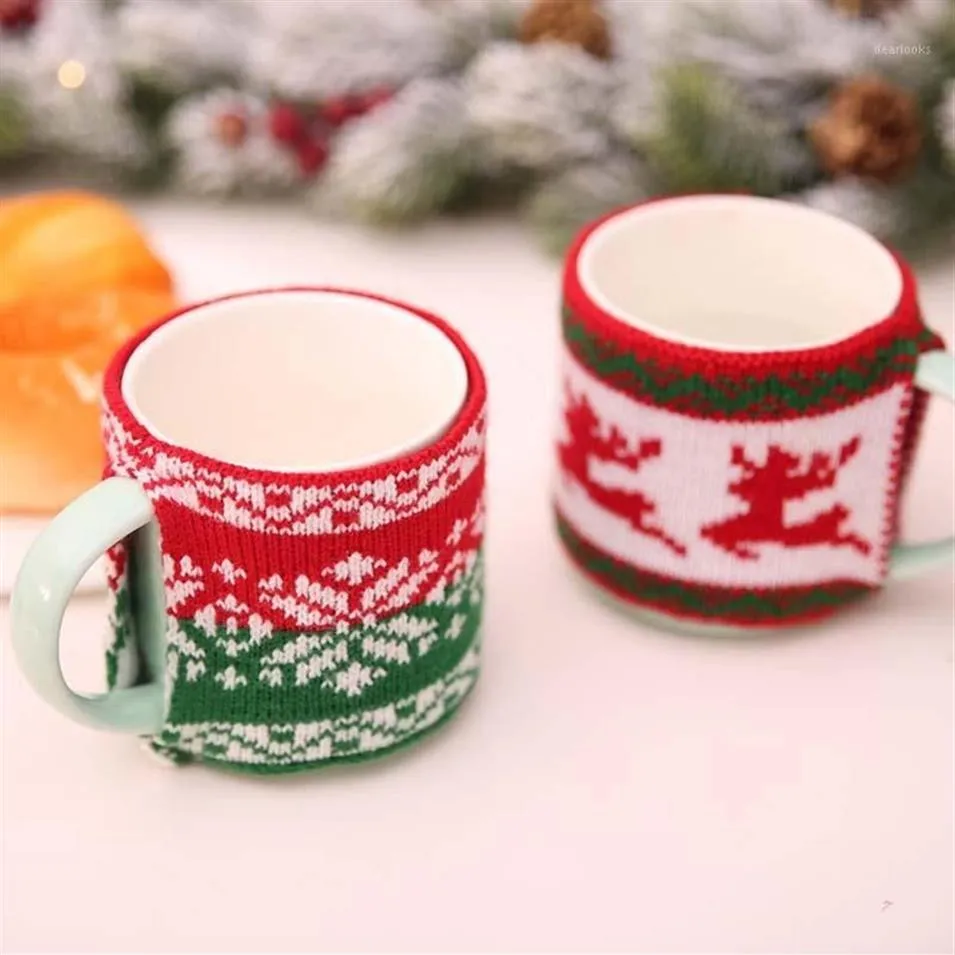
x: 310, y: 618
x: 748, y: 489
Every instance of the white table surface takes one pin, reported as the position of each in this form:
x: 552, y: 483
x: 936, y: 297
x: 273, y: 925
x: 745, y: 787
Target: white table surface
x: 608, y: 787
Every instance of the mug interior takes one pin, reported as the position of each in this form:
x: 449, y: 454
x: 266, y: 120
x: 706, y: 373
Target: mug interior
x: 739, y: 273
x: 297, y: 381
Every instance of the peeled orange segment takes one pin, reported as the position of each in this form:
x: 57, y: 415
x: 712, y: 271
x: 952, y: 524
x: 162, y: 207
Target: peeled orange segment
x: 53, y: 352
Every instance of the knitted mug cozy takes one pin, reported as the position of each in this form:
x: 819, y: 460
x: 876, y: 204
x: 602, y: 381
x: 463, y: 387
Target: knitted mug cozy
x: 733, y: 487
x: 310, y: 617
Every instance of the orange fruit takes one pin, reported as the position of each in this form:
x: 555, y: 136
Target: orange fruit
x: 76, y: 281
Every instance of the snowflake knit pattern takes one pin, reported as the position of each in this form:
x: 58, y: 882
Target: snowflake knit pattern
x: 743, y: 489
x: 310, y: 618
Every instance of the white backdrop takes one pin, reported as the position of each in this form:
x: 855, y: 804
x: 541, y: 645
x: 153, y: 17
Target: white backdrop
x: 609, y: 787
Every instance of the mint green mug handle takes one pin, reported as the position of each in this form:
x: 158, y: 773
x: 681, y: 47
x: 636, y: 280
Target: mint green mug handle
x: 936, y: 375
x: 117, y: 509
x: 64, y: 551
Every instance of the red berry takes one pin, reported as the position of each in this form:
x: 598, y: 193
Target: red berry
x: 336, y: 111
x: 19, y: 14
x: 376, y: 97
x: 312, y: 154
x: 286, y: 124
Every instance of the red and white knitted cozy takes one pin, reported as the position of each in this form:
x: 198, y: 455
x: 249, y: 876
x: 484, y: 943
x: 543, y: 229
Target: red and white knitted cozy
x: 311, y: 617
x: 734, y: 488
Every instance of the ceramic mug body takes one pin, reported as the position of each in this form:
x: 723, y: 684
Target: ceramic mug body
x: 292, y: 511
x: 743, y: 384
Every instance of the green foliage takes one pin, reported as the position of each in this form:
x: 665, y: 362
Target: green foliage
x: 925, y: 198
x: 941, y: 37
x: 925, y: 203
x: 709, y: 140
x: 570, y: 199
x: 411, y: 198
x: 13, y: 127
x: 406, y: 161
x: 713, y: 95
x: 150, y: 103
x: 923, y: 73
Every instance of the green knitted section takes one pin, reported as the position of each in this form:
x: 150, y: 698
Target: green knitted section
x: 341, y: 682
x: 740, y: 396
x: 288, y: 746
x: 120, y: 647
x: 703, y: 601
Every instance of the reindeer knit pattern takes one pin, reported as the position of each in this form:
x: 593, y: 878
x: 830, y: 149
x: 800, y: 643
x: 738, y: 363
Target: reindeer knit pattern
x: 311, y: 618
x: 748, y: 489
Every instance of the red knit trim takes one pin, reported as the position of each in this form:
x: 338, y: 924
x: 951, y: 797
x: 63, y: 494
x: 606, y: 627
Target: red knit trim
x: 931, y: 341
x: 298, y: 503
x: 468, y: 417
x: 791, y: 605
x: 904, y: 321
x: 911, y: 432
x: 275, y: 551
x: 890, y: 524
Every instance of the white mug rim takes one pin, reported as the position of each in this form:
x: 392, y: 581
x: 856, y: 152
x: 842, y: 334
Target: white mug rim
x: 211, y: 310
x: 609, y: 228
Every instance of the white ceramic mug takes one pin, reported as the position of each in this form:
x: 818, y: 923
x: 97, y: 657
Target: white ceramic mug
x: 293, y: 512
x: 744, y: 382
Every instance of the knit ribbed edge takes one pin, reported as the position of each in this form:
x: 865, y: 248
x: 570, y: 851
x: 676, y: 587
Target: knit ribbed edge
x: 890, y: 517
x: 159, y: 463
x: 765, y: 608
x: 796, y: 393
x: 903, y: 322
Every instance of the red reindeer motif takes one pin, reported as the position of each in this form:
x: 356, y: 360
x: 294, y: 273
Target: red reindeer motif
x: 586, y: 441
x: 766, y: 488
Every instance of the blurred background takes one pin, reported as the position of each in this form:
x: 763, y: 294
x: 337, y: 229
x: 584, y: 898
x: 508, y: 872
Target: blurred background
x: 385, y: 114
x: 389, y: 111
x: 778, y: 795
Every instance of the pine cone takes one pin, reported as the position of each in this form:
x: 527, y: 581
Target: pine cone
x: 872, y: 129
x: 578, y: 22
x: 869, y: 9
